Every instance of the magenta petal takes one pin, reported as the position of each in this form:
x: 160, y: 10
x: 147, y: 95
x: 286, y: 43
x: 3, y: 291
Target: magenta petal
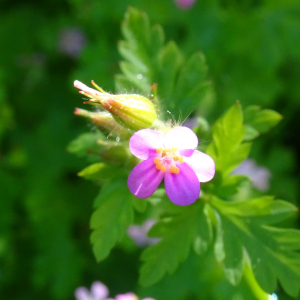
x: 145, y: 142
x: 127, y: 296
x: 181, y: 138
x: 144, y: 179
x: 186, y: 152
x: 182, y: 188
x: 202, y: 164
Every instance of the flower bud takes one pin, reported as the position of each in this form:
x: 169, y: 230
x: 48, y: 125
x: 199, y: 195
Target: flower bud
x: 105, y: 122
x: 132, y: 111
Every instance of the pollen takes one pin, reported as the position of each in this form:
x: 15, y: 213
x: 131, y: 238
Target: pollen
x: 166, y: 160
x: 156, y: 160
x: 173, y: 149
x: 158, y: 166
x: 163, y: 169
x: 174, y: 170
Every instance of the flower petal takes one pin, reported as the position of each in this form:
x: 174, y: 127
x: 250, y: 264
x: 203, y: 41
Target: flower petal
x: 181, y: 138
x: 127, y: 296
x: 186, y: 152
x: 202, y: 164
x: 82, y: 293
x: 182, y: 188
x: 99, y: 290
x: 144, y: 179
x: 143, y: 143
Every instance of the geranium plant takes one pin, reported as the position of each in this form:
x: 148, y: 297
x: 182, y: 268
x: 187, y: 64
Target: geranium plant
x: 135, y: 147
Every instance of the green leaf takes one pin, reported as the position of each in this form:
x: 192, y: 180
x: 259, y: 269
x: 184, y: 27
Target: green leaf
x: 227, y: 148
x: 265, y: 209
x: 139, y: 204
x: 205, y: 232
x: 169, y: 61
x: 112, y: 217
x: 261, y: 120
x: 181, y: 83
x: 250, y: 133
x: 273, y: 252
x: 84, y: 143
x: 140, y: 50
x: 229, y: 185
x: 191, y: 86
x: 101, y: 171
x: 178, y: 234
x: 229, y: 249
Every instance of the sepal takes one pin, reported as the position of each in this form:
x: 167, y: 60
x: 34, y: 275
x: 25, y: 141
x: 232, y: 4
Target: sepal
x: 132, y: 111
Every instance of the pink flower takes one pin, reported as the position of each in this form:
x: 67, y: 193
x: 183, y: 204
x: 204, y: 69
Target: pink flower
x: 260, y: 176
x: 172, y: 157
x: 185, y: 4
x: 139, y: 233
x: 98, y: 292
x: 129, y: 296
x: 72, y: 41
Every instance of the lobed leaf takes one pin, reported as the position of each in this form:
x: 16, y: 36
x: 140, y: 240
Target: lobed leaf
x: 169, y: 61
x: 250, y: 133
x: 112, y: 217
x: 191, y: 86
x: 178, y: 234
x: 181, y: 83
x: 259, y: 120
x: 140, y: 50
x: 101, y: 171
x: 227, y: 148
x: 273, y: 252
x: 229, y: 185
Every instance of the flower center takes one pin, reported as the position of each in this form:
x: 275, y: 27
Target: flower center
x: 167, y: 160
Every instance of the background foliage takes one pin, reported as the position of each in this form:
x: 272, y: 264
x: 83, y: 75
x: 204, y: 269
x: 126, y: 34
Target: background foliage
x: 251, y: 50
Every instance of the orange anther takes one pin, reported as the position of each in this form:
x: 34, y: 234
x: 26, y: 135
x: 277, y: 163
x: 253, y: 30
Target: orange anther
x: 163, y: 169
x: 176, y: 170
x: 181, y: 160
x: 159, y: 150
x: 156, y: 160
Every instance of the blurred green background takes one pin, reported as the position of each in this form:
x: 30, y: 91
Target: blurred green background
x: 253, y: 53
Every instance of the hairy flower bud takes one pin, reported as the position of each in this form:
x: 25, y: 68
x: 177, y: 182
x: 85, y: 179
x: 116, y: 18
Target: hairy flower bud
x: 105, y: 122
x: 132, y: 111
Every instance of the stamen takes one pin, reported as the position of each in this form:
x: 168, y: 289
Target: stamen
x: 158, y: 166
x: 167, y: 159
x: 156, y: 160
x: 174, y: 149
x: 176, y: 170
x: 164, y: 152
